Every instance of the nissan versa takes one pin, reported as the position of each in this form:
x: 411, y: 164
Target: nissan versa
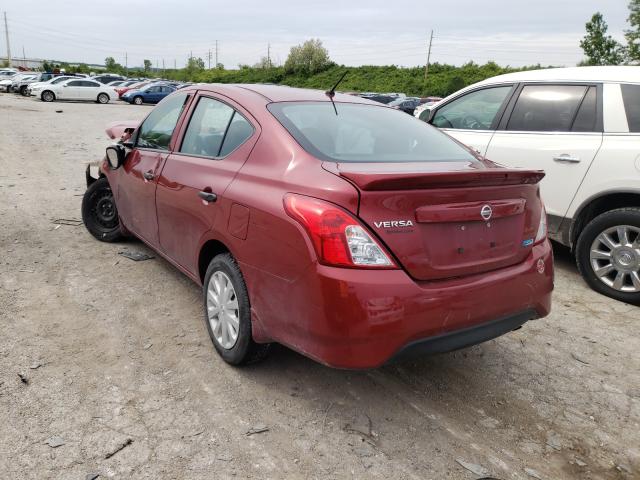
x: 349, y: 231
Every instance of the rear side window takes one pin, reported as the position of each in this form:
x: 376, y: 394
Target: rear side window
x: 157, y: 129
x: 546, y: 108
x: 215, y: 130
x: 473, y: 111
x: 587, y: 117
x: 631, y: 98
x: 365, y: 133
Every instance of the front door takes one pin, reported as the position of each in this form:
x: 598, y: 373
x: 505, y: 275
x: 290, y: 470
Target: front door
x: 190, y: 196
x: 472, y: 117
x: 555, y: 128
x: 137, y: 180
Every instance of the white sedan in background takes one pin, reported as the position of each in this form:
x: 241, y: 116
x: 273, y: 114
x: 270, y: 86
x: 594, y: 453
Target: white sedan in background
x: 78, y: 89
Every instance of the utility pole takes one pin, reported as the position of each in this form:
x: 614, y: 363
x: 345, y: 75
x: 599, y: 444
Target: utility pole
x: 6, y: 32
x: 426, y: 67
x: 174, y: 64
x: 163, y: 67
x: 216, y: 53
x: 209, y: 58
x: 269, y: 55
x: 24, y: 58
x: 126, y: 63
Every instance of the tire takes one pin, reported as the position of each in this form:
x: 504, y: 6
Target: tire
x: 23, y: 91
x: 103, y: 98
x: 602, y: 246
x: 242, y: 350
x: 99, y: 212
x: 47, y: 96
x: 137, y: 100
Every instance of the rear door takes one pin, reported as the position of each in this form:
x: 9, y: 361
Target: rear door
x: 137, y: 179
x: 556, y: 128
x: 89, y: 90
x: 473, y: 117
x: 217, y: 141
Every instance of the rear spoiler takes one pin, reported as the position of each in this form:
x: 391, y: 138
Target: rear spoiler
x: 372, y: 181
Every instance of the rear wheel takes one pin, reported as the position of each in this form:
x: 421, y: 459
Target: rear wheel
x: 23, y: 90
x: 137, y: 100
x: 47, y: 96
x: 608, y: 254
x: 99, y: 212
x: 103, y: 98
x: 227, y: 312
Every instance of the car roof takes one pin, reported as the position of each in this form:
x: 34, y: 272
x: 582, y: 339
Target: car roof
x: 573, y: 74
x: 279, y: 93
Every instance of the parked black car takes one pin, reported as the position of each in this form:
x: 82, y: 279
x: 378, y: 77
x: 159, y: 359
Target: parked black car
x: 107, y: 78
x: 406, y: 104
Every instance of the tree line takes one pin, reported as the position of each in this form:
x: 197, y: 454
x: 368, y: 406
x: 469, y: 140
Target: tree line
x: 602, y: 49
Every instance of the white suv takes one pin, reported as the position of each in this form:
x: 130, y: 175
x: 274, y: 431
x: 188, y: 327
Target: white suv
x: 582, y: 127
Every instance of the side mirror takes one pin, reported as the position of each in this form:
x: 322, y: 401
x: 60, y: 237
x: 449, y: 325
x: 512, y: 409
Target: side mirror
x: 115, y: 156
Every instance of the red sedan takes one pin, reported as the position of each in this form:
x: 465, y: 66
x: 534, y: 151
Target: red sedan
x: 348, y: 231
x: 134, y: 86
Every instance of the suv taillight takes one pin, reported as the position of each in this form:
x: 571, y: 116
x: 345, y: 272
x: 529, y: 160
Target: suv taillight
x: 338, y: 238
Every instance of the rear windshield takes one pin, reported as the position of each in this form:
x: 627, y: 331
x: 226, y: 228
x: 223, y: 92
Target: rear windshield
x: 365, y: 133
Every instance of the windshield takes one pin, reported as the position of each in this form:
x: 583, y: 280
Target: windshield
x: 365, y: 133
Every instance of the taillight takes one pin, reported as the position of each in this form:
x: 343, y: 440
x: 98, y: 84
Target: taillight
x: 338, y: 238
x: 542, y: 227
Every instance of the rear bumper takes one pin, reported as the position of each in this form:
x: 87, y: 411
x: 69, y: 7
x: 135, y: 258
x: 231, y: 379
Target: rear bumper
x: 351, y: 318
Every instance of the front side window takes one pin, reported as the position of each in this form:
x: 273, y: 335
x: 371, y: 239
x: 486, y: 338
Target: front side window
x: 157, y: 129
x: 215, y: 130
x: 474, y: 111
x: 546, y: 108
x: 365, y: 133
x: 631, y: 98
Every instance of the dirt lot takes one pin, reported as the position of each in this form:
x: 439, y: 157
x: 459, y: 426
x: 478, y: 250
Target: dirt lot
x: 119, y: 377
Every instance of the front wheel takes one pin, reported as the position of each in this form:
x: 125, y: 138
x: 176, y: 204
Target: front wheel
x: 99, y: 212
x: 608, y: 254
x: 137, y: 100
x: 103, y: 98
x: 227, y: 312
x: 47, y: 96
x: 23, y: 91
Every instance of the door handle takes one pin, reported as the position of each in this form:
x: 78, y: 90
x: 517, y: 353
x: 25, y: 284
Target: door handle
x: 208, y: 196
x: 148, y: 175
x: 566, y: 158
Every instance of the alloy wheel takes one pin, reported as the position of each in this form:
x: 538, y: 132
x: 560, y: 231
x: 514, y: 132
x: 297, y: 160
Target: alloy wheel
x: 615, y: 258
x: 223, y: 310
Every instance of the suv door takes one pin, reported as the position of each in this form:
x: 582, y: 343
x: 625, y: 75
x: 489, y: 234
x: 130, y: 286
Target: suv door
x: 556, y: 128
x: 190, y: 200
x: 472, y: 117
x: 137, y: 180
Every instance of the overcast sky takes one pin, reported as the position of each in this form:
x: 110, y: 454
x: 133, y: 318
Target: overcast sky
x: 356, y: 32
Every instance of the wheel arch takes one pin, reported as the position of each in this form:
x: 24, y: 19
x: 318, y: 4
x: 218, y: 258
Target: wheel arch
x: 209, y: 249
x: 599, y: 204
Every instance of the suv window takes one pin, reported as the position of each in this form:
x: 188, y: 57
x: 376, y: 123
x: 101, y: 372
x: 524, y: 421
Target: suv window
x: 212, y: 131
x: 546, y: 108
x: 474, y: 111
x: 587, y: 117
x: 157, y: 129
x: 631, y: 98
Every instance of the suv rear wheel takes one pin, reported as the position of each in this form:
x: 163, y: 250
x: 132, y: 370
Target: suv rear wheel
x: 227, y: 312
x: 608, y: 254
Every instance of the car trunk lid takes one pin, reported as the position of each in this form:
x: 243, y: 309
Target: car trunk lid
x: 444, y: 220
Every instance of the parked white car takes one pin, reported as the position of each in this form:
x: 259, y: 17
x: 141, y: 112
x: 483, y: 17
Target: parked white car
x: 582, y: 127
x: 78, y: 89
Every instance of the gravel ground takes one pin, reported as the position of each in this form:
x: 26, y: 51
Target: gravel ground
x: 106, y: 367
